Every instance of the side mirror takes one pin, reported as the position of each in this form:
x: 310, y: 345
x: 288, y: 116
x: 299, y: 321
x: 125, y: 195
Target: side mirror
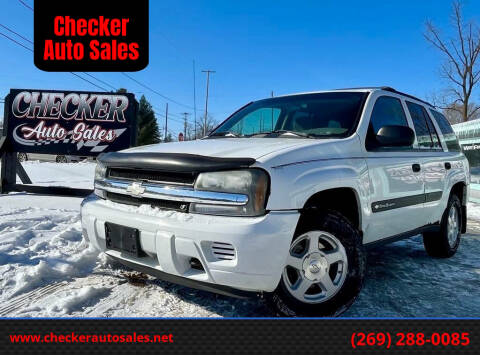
x: 395, y: 136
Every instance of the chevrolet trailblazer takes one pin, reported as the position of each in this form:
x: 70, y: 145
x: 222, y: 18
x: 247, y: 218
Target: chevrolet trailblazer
x: 283, y: 198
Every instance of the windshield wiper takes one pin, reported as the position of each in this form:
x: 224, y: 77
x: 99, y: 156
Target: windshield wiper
x: 226, y: 134
x: 258, y: 134
x: 298, y: 134
x: 279, y: 132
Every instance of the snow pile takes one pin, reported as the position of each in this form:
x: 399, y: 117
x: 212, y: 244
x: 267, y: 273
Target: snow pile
x: 40, y: 246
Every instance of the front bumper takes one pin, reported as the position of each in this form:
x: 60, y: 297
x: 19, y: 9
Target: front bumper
x: 171, y: 239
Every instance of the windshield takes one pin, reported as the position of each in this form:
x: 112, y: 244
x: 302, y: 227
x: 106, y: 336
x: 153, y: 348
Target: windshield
x: 323, y: 115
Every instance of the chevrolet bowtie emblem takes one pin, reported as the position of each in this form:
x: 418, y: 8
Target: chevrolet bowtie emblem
x: 135, y: 189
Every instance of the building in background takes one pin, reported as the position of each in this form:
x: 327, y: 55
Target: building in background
x: 468, y: 134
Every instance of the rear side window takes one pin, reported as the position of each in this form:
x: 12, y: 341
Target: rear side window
x: 433, y: 131
x: 426, y: 135
x: 447, y: 131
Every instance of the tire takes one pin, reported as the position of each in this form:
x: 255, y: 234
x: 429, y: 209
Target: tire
x: 444, y: 244
x: 61, y: 159
x: 22, y: 157
x: 339, y: 239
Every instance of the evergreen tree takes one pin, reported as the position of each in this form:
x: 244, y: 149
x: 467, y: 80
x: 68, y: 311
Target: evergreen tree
x: 147, y: 127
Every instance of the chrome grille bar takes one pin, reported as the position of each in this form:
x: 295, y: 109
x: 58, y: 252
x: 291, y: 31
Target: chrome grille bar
x: 171, y: 193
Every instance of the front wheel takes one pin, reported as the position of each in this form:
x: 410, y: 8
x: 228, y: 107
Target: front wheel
x: 444, y: 243
x: 324, y: 269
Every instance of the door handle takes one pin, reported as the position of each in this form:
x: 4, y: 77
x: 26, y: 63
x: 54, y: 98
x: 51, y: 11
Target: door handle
x: 448, y: 166
x: 416, y: 168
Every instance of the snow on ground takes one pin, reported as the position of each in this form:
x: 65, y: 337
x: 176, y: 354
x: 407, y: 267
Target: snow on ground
x: 48, y: 270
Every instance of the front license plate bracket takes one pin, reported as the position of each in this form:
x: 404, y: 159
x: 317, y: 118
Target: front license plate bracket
x: 124, y: 239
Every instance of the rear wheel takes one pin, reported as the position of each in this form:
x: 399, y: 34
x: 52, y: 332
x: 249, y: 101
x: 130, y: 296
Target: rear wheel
x: 324, y: 269
x: 444, y: 244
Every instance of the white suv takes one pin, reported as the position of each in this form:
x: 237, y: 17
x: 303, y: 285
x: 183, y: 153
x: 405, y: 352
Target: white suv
x: 282, y: 199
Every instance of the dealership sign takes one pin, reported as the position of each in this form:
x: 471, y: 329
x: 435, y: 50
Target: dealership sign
x: 73, y: 123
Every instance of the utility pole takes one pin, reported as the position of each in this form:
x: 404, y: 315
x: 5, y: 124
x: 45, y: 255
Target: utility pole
x: 206, y: 101
x: 185, y: 114
x: 194, y: 104
x: 272, y: 114
x: 166, y: 123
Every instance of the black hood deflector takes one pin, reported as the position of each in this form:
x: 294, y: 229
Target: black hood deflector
x: 172, y: 162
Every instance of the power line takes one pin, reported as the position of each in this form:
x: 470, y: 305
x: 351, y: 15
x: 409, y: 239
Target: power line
x: 154, y: 91
x: 163, y: 110
x: 90, y: 75
x: 161, y: 114
x: 101, y: 81
x: 88, y: 81
x: 26, y: 5
x: 137, y: 81
x: 13, y: 40
x: 31, y: 50
x: 16, y: 33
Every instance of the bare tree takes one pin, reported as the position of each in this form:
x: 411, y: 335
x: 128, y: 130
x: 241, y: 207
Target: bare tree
x: 460, y: 68
x: 211, y: 124
x: 452, y: 110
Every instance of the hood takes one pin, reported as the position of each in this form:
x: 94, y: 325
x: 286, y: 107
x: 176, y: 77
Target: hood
x: 226, y: 147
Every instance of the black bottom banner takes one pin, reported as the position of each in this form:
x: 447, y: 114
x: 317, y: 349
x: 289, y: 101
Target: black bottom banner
x: 238, y: 336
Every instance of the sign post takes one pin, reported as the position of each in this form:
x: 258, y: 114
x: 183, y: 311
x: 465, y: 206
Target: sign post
x: 62, y: 123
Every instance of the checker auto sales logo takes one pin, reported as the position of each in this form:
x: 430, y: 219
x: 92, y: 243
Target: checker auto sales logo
x: 91, y: 35
x: 75, y: 123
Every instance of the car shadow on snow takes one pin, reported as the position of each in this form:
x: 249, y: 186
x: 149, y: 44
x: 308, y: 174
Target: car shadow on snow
x: 402, y: 281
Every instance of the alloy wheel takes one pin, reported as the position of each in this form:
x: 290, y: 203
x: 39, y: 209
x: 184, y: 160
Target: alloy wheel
x: 316, y: 267
x: 453, y: 226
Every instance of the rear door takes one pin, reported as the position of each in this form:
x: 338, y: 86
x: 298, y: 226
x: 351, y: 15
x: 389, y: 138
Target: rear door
x: 453, y: 159
x: 396, y: 177
x: 432, y: 158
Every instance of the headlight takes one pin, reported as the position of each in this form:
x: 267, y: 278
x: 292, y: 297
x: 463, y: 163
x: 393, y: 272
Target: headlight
x: 100, y: 174
x: 100, y: 171
x: 252, y: 182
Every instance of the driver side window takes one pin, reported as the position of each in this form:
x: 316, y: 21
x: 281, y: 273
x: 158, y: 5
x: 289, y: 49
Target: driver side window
x: 388, y: 111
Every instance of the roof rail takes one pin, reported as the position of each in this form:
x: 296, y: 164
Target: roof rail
x: 387, y: 88
x: 364, y: 87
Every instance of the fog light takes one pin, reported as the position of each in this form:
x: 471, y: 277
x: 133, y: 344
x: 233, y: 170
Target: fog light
x: 196, y: 264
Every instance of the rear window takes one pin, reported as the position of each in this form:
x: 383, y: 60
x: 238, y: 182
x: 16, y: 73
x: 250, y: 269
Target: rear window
x: 448, y: 134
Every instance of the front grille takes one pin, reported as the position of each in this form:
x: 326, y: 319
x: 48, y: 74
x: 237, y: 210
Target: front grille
x: 163, y: 204
x: 223, y: 251
x: 153, y: 176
